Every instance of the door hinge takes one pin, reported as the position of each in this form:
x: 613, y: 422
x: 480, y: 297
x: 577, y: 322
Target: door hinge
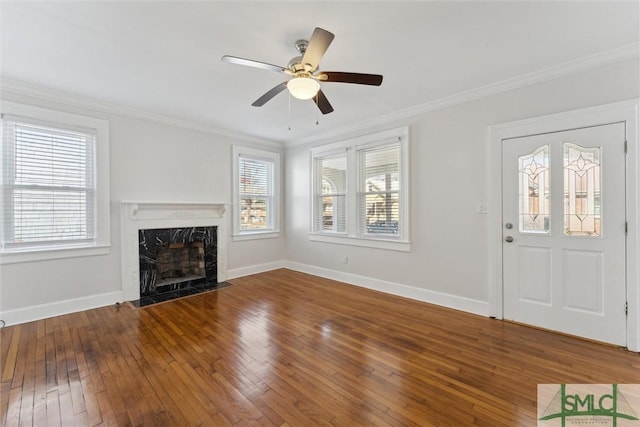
x: 626, y: 308
x: 626, y: 228
x: 625, y: 147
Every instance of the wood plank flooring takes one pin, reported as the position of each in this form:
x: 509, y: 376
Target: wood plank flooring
x: 287, y: 349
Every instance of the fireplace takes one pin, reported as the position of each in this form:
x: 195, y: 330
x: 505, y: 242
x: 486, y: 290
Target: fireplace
x: 176, y: 258
x: 170, y: 246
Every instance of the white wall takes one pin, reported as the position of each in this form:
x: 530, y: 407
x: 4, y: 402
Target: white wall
x: 149, y: 161
x: 448, y: 263
x: 449, y: 175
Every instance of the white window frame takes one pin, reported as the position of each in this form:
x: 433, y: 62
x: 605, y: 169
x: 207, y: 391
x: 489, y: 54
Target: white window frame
x: 316, y: 190
x: 274, y: 158
x: 101, y: 243
x: 353, y: 146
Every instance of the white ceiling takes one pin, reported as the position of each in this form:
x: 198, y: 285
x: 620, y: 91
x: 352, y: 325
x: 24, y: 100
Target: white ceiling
x: 164, y: 57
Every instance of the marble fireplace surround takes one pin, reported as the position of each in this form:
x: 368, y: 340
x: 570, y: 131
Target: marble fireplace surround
x: 135, y: 216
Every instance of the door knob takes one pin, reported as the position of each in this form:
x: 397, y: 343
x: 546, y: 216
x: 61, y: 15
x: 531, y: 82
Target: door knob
x: 508, y: 239
x: 508, y: 226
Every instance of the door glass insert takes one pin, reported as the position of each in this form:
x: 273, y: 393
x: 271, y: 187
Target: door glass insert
x: 581, y: 190
x: 534, y: 191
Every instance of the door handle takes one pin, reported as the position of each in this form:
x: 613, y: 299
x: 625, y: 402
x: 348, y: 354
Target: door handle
x: 508, y: 239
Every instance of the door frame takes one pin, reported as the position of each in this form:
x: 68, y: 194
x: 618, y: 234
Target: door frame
x: 625, y: 111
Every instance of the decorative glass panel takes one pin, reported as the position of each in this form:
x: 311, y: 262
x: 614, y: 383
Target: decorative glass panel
x: 581, y: 190
x: 534, y: 191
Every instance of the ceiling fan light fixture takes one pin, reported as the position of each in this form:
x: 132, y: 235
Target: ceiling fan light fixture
x: 305, y: 76
x: 303, y: 87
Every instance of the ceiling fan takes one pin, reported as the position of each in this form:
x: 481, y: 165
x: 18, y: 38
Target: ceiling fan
x: 303, y: 69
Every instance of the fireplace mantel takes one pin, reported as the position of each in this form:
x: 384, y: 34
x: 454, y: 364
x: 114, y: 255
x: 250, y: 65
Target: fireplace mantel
x: 141, y: 215
x: 164, y: 210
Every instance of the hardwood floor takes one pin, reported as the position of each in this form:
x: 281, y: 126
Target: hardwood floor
x: 285, y: 348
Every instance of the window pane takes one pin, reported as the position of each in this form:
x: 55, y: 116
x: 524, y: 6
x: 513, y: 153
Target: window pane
x: 50, y: 157
x: 534, y: 191
x: 581, y: 190
x: 254, y: 213
x: 379, y: 195
x: 333, y: 174
x: 255, y: 177
x: 41, y: 215
x: 330, y: 194
x: 382, y: 213
x: 381, y: 169
x: 256, y: 193
x: 50, y: 184
x: 332, y: 217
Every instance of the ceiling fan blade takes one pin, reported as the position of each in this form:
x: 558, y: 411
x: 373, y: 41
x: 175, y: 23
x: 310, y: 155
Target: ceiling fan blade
x: 318, y: 44
x: 270, y: 94
x: 357, y: 78
x: 256, y: 64
x: 322, y: 102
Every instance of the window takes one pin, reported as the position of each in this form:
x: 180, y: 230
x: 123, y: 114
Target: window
x: 256, y: 188
x: 379, y: 190
x: 51, y: 201
x: 360, y: 191
x: 331, y: 176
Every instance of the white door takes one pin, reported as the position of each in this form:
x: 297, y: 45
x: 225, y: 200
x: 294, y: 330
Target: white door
x: 564, y: 231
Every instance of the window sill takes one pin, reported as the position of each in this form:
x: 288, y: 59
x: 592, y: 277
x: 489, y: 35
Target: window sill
x: 392, y: 245
x: 256, y: 235
x: 45, y: 254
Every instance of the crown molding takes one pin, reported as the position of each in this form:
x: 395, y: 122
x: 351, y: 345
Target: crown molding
x: 623, y: 53
x: 620, y: 54
x: 8, y: 86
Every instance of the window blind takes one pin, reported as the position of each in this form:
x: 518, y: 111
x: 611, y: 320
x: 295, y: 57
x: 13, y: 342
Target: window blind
x: 379, y: 190
x: 256, y: 193
x: 48, y: 184
x: 330, y: 194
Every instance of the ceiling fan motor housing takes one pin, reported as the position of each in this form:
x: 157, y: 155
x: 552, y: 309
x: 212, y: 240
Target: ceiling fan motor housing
x: 295, y: 64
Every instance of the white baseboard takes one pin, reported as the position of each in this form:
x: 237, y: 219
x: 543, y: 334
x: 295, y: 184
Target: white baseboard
x: 43, y: 311
x: 254, y: 269
x: 433, y: 297
x: 59, y: 308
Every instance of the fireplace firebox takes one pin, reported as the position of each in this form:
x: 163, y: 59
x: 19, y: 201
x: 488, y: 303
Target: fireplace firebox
x: 176, y: 258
